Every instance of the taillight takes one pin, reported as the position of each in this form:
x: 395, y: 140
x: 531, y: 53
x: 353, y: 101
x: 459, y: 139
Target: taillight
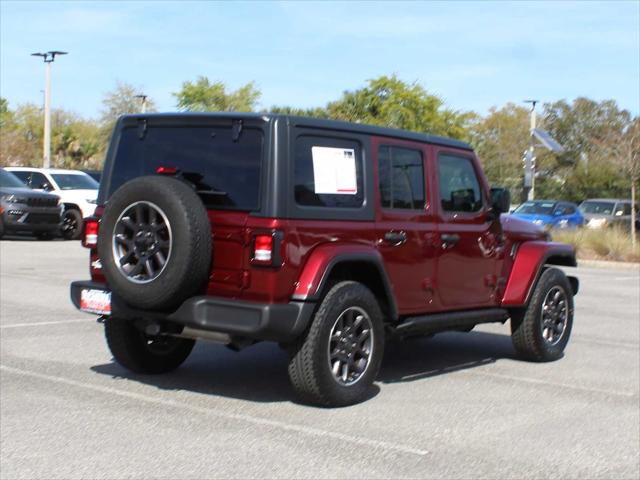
x: 90, y: 237
x: 263, y: 249
x: 266, y: 249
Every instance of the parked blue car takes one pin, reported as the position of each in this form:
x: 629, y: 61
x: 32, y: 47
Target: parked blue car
x: 550, y: 214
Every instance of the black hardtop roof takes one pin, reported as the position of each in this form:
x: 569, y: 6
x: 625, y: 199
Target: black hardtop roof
x: 310, y: 122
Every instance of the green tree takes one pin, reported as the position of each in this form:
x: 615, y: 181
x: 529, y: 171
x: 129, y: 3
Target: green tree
x: 123, y: 99
x: 624, y: 145
x: 586, y: 166
x: 390, y: 102
x: 316, y: 112
x: 500, y: 140
x: 206, y: 96
x: 75, y: 141
x: 582, y: 126
x: 5, y: 113
x: 21, y: 135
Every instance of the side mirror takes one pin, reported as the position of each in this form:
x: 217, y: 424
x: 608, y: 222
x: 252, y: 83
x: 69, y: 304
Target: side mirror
x: 500, y: 200
x: 557, y: 213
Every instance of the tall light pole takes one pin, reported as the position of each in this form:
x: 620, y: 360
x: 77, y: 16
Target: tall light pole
x: 48, y: 58
x: 546, y: 141
x: 143, y: 100
x: 529, y: 157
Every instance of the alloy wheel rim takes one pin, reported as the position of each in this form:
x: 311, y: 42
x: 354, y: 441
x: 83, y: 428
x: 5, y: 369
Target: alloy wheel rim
x: 142, y: 242
x: 69, y: 223
x: 555, y: 315
x: 350, y: 346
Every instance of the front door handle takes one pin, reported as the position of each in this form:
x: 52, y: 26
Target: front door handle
x: 449, y: 239
x: 395, y: 238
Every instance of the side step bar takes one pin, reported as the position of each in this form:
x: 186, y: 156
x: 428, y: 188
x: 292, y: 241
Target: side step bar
x: 461, y: 320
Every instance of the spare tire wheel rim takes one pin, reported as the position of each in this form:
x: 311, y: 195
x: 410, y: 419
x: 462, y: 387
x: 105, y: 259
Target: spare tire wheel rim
x: 142, y: 242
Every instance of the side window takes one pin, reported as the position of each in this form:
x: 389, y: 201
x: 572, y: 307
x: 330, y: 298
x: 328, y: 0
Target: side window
x: 328, y: 172
x: 459, y: 185
x: 401, y: 178
x: 39, y: 181
x: 622, y: 209
x: 562, y: 209
x: 570, y: 210
x: 23, y: 176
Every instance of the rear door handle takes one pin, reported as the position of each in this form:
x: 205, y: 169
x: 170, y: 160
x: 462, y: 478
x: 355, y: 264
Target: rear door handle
x: 395, y: 237
x: 449, y: 239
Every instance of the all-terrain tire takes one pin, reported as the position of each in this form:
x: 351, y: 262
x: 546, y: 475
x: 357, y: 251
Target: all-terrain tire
x: 132, y: 349
x: 309, y: 367
x: 187, y: 265
x: 527, y: 325
x: 71, y: 224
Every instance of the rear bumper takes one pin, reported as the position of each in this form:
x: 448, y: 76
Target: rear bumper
x: 278, y: 322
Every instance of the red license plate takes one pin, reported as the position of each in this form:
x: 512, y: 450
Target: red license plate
x: 95, y: 301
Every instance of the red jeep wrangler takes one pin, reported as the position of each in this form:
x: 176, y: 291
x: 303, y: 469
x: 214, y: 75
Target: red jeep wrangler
x: 323, y: 236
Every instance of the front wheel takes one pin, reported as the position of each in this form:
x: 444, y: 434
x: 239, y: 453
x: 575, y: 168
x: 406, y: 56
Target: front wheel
x: 541, y: 331
x: 71, y: 224
x: 337, y: 361
x: 137, y: 352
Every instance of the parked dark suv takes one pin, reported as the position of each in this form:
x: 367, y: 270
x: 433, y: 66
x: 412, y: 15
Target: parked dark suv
x: 24, y: 211
x: 324, y: 236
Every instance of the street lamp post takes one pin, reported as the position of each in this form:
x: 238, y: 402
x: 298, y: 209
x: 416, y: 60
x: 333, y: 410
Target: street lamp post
x: 529, y: 158
x: 143, y: 101
x: 48, y: 58
x: 546, y: 141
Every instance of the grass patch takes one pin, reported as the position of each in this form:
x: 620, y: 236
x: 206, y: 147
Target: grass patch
x: 612, y: 244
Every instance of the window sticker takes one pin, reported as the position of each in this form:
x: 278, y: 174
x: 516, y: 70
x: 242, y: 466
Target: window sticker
x: 334, y: 170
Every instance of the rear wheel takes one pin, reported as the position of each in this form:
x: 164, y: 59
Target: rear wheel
x: 337, y: 361
x: 71, y: 228
x: 137, y: 352
x: 541, y: 331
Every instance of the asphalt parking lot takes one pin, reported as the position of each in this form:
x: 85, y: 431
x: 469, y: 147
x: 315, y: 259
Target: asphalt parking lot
x: 456, y: 405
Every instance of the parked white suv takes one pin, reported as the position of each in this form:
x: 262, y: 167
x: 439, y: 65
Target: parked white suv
x: 77, y: 191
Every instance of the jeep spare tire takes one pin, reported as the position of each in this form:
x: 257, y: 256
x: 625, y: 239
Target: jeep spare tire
x: 155, y: 243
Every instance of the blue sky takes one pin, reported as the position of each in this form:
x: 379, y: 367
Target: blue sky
x: 472, y: 54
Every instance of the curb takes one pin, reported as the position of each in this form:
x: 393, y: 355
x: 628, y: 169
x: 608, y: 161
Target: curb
x: 608, y: 264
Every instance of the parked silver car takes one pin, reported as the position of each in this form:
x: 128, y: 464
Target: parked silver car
x: 25, y: 210
x: 607, y: 212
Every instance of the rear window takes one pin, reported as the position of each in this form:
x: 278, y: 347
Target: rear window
x: 226, y: 171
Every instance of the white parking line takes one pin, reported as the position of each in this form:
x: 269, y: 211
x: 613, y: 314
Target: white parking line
x: 382, y: 445
x: 606, y: 343
x: 40, y: 324
x: 536, y: 381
